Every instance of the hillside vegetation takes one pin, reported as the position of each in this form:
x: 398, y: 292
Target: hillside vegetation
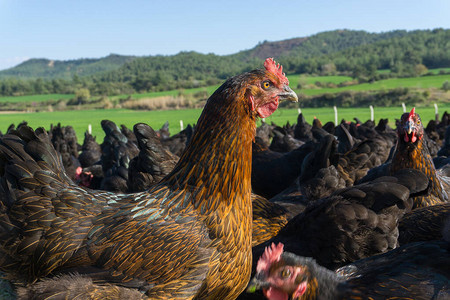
x: 358, y: 54
x: 51, y: 69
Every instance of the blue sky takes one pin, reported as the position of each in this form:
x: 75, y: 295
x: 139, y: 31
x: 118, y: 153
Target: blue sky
x: 58, y: 29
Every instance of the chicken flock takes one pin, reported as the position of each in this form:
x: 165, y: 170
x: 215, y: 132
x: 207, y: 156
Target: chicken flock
x: 226, y: 209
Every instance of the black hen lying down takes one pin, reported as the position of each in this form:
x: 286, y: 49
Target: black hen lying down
x: 414, y: 271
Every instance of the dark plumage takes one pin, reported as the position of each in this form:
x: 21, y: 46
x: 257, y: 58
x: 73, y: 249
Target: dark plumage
x: 178, y: 142
x: 445, y: 149
x: 117, y: 151
x: 352, y: 223
x: 413, y: 271
x: 90, y: 151
x: 412, y: 152
x: 64, y: 139
x: 283, y: 142
x: 424, y: 223
x: 273, y: 171
x: 76, y: 287
x: 264, y: 134
x: 164, y: 133
x: 153, y: 161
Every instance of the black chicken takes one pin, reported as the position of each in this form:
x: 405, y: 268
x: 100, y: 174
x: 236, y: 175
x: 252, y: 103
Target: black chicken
x: 117, y: 151
x: 153, y: 161
x: 352, y: 223
x: 273, y: 171
x: 414, y: 271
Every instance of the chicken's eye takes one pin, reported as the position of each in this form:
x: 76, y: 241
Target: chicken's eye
x: 266, y: 84
x: 285, y: 273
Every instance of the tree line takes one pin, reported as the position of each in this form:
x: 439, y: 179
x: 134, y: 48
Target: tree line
x: 356, y: 53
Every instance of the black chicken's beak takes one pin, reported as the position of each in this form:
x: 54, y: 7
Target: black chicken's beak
x: 410, y: 126
x: 288, y: 94
x: 257, y: 283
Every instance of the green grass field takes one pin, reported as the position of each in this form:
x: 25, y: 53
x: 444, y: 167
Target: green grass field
x: 82, y: 118
x: 436, y: 71
x: 295, y: 79
x: 36, y: 98
x: 208, y: 89
x: 435, y: 81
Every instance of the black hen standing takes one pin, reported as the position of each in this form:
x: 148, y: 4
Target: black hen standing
x: 64, y: 139
x: 90, y: 151
x: 117, y: 151
x: 153, y: 161
x: 178, y: 142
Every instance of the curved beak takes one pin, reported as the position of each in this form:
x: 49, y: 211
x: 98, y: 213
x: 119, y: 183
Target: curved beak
x: 288, y: 94
x: 257, y: 283
x: 410, y: 126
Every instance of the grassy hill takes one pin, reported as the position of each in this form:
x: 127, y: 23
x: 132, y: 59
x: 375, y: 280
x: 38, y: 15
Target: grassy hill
x: 332, y: 46
x: 319, y: 44
x: 361, y: 55
x: 314, y: 91
x: 50, y: 69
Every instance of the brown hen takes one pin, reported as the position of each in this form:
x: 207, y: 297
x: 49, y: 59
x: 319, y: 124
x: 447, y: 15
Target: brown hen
x: 412, y: 152
x: 189, y: 236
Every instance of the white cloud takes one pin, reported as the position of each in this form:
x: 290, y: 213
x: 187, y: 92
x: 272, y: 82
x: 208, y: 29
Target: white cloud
x: 9, y: 62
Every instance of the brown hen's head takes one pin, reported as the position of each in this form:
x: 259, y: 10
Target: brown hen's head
x: 410, y: 129
x: 283, y: 275
x: 272, y: 87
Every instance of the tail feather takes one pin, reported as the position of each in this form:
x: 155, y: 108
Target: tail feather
x: 76, y: 287
x: 44, y: 216
x: 25, y: 145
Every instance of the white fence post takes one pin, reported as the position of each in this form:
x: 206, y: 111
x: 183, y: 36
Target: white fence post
x: 335, y: 116
x: 181, y: 125
x: 371, y: 113
x: 90, y: 129
x: 299, y: 110
x: 404, y: 107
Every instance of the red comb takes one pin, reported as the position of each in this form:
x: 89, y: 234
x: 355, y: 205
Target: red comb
x: 78, y: 171
x: 271, y: 254
x: 411, y: 114
x: 275, y: 69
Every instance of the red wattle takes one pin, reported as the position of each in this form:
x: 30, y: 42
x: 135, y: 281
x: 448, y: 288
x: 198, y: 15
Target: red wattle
x: 251, y: 101
x: 275, y: 294
x: 301, y: 289
x: 267, y: 109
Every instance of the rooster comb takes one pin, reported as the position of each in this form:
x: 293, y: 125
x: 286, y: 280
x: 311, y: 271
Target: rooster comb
x: 276, y: 69
x: 411, y: 114
x: 271, y: 254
